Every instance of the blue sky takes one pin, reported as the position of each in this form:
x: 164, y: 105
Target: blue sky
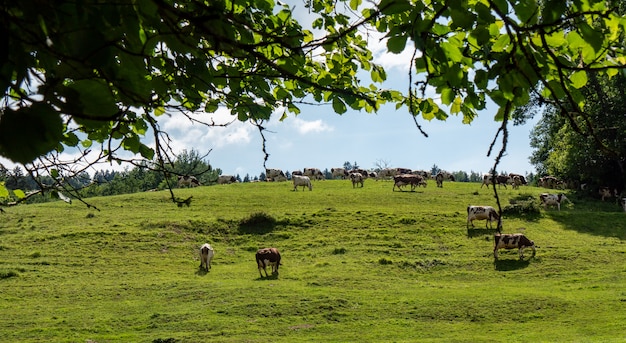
x: 320, y: 138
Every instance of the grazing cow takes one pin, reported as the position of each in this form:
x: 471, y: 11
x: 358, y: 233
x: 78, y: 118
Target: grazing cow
x: 512, y: 241
x: 605, y: 192
x: 187, y: 180
x: 313, y: 173
x: 548, y: 199
x: 408, y: 179
x: 296, y: 172
x: 516, y: 181
x: 303, y: 181
x: 226, y: 179
x: 483, y: 213
x: 206, y: 255
x: 341, y: 173
x: 503, y: 180
x: 274, y: 175
x: 268, y: 257
x: 356, y: 178
x: 520, y: 177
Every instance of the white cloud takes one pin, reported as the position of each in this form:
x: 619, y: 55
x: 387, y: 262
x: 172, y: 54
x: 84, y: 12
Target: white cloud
x: 315, y: 126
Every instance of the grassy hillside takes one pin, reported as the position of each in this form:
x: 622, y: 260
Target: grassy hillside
x: 366, y: 265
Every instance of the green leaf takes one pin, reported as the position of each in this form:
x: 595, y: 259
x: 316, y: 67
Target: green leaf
x: 396, y: 44
x: 19, y: 193
x: 4, y: 192
x: 339, y: 106
x: 579, y: 79
x: 29, y: 132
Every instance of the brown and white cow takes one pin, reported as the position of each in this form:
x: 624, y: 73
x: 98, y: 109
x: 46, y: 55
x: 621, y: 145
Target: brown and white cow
x: 206, y: 256
x: 550, y: 182
x: 363, y: 172
x: 226, y: 179
x: 313, y: 173
x: 520, y: 177
x: 548, y: 199
x: 188, y: 180
x: 408, y: 179
x: 274, y: 175
x: 512, y: 241
x: 487, y: 213
x: 268, y: 257
x: 443, y: 176
x: 356, y: 179
x: 303, y: 181
x: 341, y: 173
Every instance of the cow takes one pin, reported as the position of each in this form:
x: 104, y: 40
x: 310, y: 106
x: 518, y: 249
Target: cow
x: 487, y: 180
x: 408, y: 179
x: 206, y: 255
x: 516, y: 181
x: 386, y: 173
x: 623, y: 203
x: 274, y: 175
x: 226, y: 179
x: 425, y: 174
x: 313, y: 173
x: 549, y: 182
x: 297, y: 172
x: 341, y: 173
x: 520, y: 177
x: 500, y: 180
x: 512, y: 241
x: 503, y: 180
x: 400, y: 171
x: 487, y: 213
x: 268, y: 257
x: 363, y: 172
x: 442, y: 176
x: 188, y: 180
x: 548, y: 199
x: 303, y: 181
x: 605, y: 192
x: 356, y: 178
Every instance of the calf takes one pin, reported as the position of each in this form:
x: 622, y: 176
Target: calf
x: 268, y: 257
x: 483, y: 213
x: 553, y: 199
x: 206, y: 255
x: 303, y: 181
x: 356, y: 178
x: 512, y: 241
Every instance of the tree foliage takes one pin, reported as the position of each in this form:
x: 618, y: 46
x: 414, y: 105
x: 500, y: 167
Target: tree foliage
x: 96, y: 75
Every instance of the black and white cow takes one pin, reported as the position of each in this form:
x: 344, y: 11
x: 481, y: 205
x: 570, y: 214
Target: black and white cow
x: 268, y: 257
x: 274, y: 175
x: 188, y: 180
x: 341, y: 173
x: 313, y: 173
x: 548, y: 199
x: 487, y: 213
x: 226, y: 179
x: 512, y: 241
x: 408, y: 179
x: 206, y: 256
x: 356, y: 179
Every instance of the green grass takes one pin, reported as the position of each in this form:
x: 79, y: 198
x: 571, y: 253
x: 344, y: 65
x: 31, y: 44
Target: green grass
x: 367, y: 265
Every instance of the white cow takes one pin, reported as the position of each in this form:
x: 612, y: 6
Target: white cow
x: 487, y: 213
x: 356, y: 178
x: 303, y: 181
x: 548, y: 199
x: 206, y: 255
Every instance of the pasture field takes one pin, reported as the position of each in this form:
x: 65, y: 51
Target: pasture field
x: 359, y: 265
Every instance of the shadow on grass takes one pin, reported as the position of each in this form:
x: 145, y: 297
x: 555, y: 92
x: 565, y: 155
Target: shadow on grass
x: 600, y: 223
x: 202, y: 272
x: 480, y: 232
x: 510, y: 265
x: 257, y: 223
x: 273, y: 276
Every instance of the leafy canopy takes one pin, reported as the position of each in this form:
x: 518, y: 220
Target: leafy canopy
x: 96, y: 74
